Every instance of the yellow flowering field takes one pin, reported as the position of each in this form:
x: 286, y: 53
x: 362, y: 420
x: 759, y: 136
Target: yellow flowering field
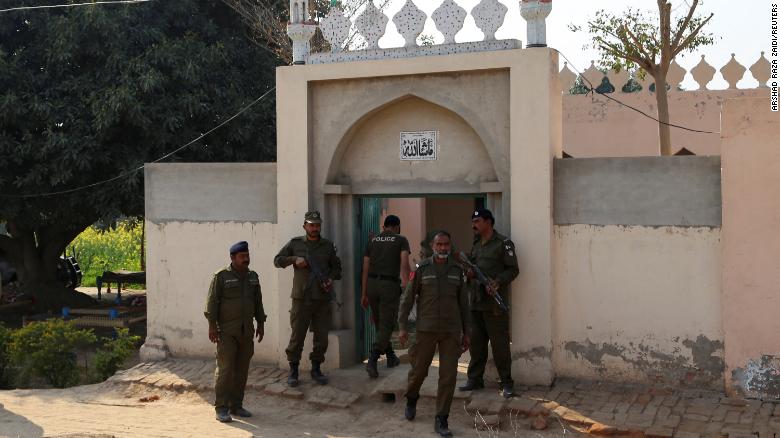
x: 98, y: 251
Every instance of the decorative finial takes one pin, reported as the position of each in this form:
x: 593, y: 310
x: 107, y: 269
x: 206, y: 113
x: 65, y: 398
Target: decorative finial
x: 535, y: 13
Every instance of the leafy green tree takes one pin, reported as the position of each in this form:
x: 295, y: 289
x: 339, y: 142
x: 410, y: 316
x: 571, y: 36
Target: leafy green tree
x: 89, y: 93
x: 637, y: 38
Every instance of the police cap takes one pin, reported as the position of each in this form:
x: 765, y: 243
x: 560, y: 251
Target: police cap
x: 237, y: 247
x: 484, y: 213
x: 312, y: 217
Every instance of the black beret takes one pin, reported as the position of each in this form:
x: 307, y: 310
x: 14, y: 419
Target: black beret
x: 242, y: 246
x: 484, y: 213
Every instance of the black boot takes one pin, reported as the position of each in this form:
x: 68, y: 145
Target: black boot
x: 472, y: 385
x: 392, y: 359
x: 292, y: 379
x: 508, y: 390
x: 411, y: 408
x: 371, y: 364
x: 317, y: 375
x: 441, y: 426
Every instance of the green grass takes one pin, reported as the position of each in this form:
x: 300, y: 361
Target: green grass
x: 97, y: 251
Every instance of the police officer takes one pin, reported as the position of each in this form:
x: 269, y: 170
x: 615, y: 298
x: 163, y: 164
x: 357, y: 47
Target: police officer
x: 442, y: 321
x: 386, y: 257
x: 495, y: 256
x: 310, y: 254
x: 234, y: 299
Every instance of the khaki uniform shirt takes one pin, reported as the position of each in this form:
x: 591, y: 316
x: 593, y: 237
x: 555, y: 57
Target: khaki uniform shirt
x: 234, y: 300
x: 323, y: 253
x: 497, y: 259
x: 442, y: 299
x: 384, y: 251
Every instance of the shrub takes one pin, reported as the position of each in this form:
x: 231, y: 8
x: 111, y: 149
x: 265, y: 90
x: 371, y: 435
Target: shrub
x: 114, y: 353
x: 5, y: 360
x: 48, y: 349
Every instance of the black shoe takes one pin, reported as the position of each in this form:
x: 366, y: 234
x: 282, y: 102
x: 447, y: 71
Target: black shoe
x: 223, y: 416
x: 411, y: 408
x: 371, y: 364
x: 472, y: 385
x: 241, y: 412
x: 441, y: 427
x: 508, y: 391
x: 317, y: 375
x: 292, y: 379
x: 392, y: 360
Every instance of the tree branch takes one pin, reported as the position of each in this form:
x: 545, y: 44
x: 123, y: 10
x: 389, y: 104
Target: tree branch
x: 690, y: 37
x: 681, y: 30
x: 622, y: 54
x: 640, y: 47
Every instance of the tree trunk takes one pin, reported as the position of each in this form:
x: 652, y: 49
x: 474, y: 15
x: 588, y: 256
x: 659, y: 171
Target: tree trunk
x: 662, y: 101
x: 35, y: 255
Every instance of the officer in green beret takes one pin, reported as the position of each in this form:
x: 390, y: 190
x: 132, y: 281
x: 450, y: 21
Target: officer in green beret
x: 316, y: 265
x: 494, y: 254
x: 442, y: 301
x: 234, y: 299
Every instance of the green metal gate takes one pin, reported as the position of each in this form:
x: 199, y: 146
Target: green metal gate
x: 368, y: 212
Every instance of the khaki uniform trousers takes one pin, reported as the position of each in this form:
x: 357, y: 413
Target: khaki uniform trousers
x: 384, y: 297
x: 304, y: 314
x: 421, y: 355
x: 234, y: 353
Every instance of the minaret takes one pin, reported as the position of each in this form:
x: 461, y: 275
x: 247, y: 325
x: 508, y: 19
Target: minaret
x: 300, y: 29
x: 535, y: 13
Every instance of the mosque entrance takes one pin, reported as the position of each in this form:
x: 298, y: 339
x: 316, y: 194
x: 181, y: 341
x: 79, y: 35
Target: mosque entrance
x: 419, y: 216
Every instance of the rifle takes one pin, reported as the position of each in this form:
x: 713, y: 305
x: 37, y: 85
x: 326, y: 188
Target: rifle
x: 317, y: 274
x: 483, y: 280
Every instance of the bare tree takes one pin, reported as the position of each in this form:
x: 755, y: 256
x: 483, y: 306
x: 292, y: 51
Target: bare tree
x: 634, y: 39
x: 267, y: 22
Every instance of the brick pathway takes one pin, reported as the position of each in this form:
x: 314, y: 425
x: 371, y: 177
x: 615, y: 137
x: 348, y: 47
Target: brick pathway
x: 583, y: 406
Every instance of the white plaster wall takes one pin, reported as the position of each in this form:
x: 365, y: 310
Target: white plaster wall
x: 182, y: 258
x: 634, y: 303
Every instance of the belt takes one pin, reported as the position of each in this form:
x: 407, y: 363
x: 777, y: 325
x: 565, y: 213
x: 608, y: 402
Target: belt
x: 384, y: 277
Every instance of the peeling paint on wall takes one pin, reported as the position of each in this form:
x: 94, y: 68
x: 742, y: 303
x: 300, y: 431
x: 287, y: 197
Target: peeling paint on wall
x: 759, y: 378
x: 700, y: 366
x: 532, y: 354
x: 179, y: 332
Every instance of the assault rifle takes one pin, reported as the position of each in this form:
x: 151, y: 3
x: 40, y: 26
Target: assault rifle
x: 316, y: 274
x: 483, y: 280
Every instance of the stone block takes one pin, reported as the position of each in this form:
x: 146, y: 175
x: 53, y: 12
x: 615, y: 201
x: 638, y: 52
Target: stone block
x: 521, y: 405
x: 480, y: 405
x: 732, y: 417
x: 696, y: 417
x: 672, y: 421
x: 659, y: 432
x: 692, y: 426
x: 274, y: 389
x: 488, y: 422
x: 293, y: 393
x: 685, y: 434
x: 639, y: 421
x: 701, y: 409
x: 747, y: 418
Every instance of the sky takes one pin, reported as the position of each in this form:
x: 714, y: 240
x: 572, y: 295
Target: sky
x: 740, y: 26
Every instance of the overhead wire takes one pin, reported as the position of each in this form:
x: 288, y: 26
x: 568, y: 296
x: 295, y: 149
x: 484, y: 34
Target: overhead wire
x: 71, y: 5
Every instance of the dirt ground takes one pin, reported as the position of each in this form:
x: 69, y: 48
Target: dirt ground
x: 106, y: 410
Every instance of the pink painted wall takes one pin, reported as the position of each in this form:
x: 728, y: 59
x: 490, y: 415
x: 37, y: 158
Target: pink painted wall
x: 594, y: 126
x: 751, y: 247
x: 411, y: 211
